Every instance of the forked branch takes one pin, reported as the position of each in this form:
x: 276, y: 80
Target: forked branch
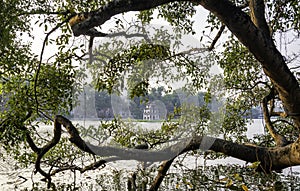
x: 280, y: 140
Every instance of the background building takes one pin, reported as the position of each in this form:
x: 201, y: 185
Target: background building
x: 155, y: 111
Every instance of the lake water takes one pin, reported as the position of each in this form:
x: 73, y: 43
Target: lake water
x: 12, y: 178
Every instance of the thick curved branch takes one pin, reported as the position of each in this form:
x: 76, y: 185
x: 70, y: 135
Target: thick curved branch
x: 74, y: 138
x: 30, y: 141
x: 270, y: 159
x: 275, y: 158
x: 97, y: 18
x: 74, y: 134
x: 263, y: 48
x: 280, y: 140
x: 45, y: 149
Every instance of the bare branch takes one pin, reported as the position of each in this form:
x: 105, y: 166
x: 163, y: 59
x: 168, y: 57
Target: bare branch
x: 253, y: 86
x: 92, y: 166
x: 97, y: 18
x: 211, y: 47
x: 94, y: 33
x: 91, y: 56
x: 162, y: 171
x: 45, y: 149
x: 270, y: 158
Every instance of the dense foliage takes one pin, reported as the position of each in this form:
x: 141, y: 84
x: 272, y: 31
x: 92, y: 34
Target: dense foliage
x: 44, y: 68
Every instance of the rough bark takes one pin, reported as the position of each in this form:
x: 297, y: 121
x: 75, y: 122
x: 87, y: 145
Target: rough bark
x: 257, y: 12
x: 217, y: 37
x: 74, y: 138
x: 261, y: 45
x: 45, y: 149
x: 275, y: 158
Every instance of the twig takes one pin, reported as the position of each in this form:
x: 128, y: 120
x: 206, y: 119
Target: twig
x: 41, y: 59
x: 24, y: 179
x: 39, y: 12
x: 211, y: 47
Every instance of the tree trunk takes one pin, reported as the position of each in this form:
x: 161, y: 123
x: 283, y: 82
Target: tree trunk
x: 261, y: 45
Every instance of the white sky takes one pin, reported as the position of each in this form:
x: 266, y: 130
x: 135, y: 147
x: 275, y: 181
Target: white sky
x: 193, y: 41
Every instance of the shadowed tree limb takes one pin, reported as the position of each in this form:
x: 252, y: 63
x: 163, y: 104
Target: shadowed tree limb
x: 74, y: 134
x: 275, y: 158
x: 270, y: 159
x: 45, y: 149
x: 280, y: 140
x: 97, y: 18
x: 162, y: 172
x: 56, y: 138
x: 29, y: 139
x: 263, y: 48
x: 217, y: 37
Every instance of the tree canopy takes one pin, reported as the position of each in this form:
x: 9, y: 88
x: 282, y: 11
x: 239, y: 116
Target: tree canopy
x: 254, y: 43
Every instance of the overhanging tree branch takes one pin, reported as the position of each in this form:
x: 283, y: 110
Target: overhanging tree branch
x: 45, y: 149
x: 162, y: 172
x: 40, y: 63
x: 270, y: 159
x: 97, y: 18
x: 239, y: 23
x: 263, y: 48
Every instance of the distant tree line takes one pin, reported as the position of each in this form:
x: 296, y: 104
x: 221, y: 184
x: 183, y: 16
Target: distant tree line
x: 104, y: 102
x: 104, y: 108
